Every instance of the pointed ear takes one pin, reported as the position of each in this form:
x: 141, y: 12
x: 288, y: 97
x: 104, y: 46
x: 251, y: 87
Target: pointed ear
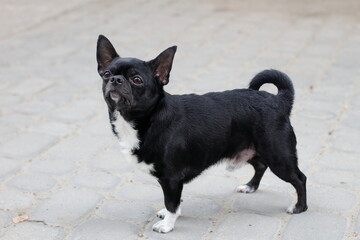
x: 162, y: 65
x: 105, y: 53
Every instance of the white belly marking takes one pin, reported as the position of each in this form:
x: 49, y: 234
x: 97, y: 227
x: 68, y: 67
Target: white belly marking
x: 240, y: 159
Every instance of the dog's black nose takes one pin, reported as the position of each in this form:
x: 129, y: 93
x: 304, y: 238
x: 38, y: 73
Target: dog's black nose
x: 116, y: 80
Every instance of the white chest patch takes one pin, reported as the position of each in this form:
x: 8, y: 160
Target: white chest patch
x: 128, y: 139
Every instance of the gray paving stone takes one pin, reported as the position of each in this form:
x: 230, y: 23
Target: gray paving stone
x: 351, y: 119
x: 5, y: 218
x: 95, y: 180
x: 346, y: 139
x: 72, y: 115
x: 330, y: 199
x: 6, y: 131
x: 53, y: 128
x: 8, y: 166
x: 97, y: 128
x: 8, y: 99
x: 263, y: 202
x: 52, y: 166
x: 197, y: 207
x: 321, y: 115
x: 336, y: 160
x: 11, y: 200
x: 30, y: 86
x: 211, y: 187
x: 58, y: 95
x: 35, y: 107
x: 111, y: 161
x: 185, y: 228
x: 33, y: 231
x: 27, y: 145
x: 66, y: 206
x: 314, y: 225
x: 104, y: 229
x: 142, y: 177
x: 343, y: 179
x: 246, y: 226
x: 17, y: 120
x: 126, y: 211
x: 31, y: 183
x: 76, y: 148
x: 140, y: 193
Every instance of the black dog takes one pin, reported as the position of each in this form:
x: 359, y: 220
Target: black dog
x: 176, y: 137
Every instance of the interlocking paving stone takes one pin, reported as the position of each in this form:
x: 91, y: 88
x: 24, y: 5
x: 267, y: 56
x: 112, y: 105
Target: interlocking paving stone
x: 212, y: 187
x: 246, y: 226
x: 110, y: 161
x: 126, y: 211
x: 27, y: 145
x: 76, y: 148
x: 12, y: 200
x: 52, y: 166
x: 52, y: 128
x: 263, y: 202
x: 8, y: 166
x: 33, y: 231
x: 95, y: 180
x: 343, y: 179
x: 198, y: 207
x: 104, y: 229
x: 66, y: 206
x: 315, y: 225
x: 141, y: 193
x: 5, y: 218
x: 331, y: 199
x: 31, y: 183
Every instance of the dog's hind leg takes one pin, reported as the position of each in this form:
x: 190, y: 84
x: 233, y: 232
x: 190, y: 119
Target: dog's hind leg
x: 260, y: 168
x: 292, y: 174
x: 172, y: 194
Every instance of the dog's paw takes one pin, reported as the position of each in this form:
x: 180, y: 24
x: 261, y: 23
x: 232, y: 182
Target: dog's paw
x: 296, y: 209
x: 161, y: 214
x: 163, y: 226
x: 245, y: 189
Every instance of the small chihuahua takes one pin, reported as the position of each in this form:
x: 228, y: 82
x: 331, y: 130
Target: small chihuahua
x: 176, y: 137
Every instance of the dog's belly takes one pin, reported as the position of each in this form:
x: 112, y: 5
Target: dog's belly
x: 128, y: 140
x: 240, y: 159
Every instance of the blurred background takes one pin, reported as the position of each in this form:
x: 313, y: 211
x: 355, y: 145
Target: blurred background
x: 61, y: 173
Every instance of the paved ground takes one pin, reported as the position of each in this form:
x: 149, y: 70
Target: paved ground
x: 60, y: 166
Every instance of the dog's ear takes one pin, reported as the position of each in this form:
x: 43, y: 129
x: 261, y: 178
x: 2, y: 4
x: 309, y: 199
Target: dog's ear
x: 162, y: 65
x: 105, y: 53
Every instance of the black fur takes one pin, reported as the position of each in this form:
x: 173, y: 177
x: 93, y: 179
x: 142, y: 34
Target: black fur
x: 182, y: 135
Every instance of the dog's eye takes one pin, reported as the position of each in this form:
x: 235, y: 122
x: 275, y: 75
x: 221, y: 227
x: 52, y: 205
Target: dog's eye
x: 137, y: 80
x: 107, y: 74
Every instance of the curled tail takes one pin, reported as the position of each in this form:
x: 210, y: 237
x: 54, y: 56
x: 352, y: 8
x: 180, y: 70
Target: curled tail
x: 281, y: 81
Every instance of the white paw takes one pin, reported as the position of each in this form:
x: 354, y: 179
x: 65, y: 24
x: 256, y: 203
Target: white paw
x: 245, y: 189
x: 168, y: 222
x: 290, y: 209
x: 162, y: 226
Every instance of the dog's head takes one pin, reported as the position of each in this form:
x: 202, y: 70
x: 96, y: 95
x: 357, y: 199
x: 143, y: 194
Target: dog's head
x: 130, y: 85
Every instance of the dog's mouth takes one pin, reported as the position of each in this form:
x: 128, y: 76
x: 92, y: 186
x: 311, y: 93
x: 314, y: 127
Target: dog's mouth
x: 115, y: 96
x: 120, y: 98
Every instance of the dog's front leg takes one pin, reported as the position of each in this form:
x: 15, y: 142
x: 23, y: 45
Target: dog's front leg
x: 172, y: 194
